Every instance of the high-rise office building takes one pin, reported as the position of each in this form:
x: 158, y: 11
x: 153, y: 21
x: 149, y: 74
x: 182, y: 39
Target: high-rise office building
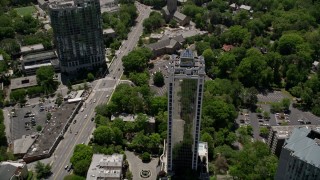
x: 299, y: 157
x: 77, y: 28
x: 185, y: 92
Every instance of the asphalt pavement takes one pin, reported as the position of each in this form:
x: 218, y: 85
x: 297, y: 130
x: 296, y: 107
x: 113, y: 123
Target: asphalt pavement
x: 80, y: 131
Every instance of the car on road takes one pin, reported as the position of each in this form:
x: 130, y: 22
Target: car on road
x: 85, y: 116
x: 69, y: 169
x: 66, y: 167
x: 74, y: 121
x: 107, y: 96
x: 92, y: 119
x: 81, y: 109
x: 94, y: 100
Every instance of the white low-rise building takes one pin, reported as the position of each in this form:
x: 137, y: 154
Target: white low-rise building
x: 108, y: 167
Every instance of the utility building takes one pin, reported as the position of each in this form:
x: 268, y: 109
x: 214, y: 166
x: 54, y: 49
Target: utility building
x: 185, y: 93
x: 77, y: 28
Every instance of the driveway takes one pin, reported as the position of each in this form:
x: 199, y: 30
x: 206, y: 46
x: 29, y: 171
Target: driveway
x: 136, y: 166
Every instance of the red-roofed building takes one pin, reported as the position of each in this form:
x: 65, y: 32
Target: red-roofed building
x: 227, y: 48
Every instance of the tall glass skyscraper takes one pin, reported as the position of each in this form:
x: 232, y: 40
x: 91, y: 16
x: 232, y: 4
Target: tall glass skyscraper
x: 77, y: 28
x: 185, y: 92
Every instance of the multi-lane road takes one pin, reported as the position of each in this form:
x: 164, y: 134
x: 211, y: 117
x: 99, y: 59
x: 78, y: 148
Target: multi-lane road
x: 80, y: 131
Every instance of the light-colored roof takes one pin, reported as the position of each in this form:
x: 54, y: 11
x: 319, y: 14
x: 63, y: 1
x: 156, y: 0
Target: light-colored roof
x: 23, y: 82
x: 105, y: 166
x: 303, y: 147
x: 47, y: 26
x: 131, y: 118
x: 203, y: 148
x: 233, y: 5
x: 245, y: 7
x: 155, y: 36
x: 1, y: 57
x: 37, y: 66
x: 315, y: 63
x: 179, y: 16
x: 108, y: 31
x: 21, y: 146
x: 35, y: 47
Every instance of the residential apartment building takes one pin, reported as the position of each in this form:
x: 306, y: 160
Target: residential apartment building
x: 279, y: 134
x: 77, y: 28
x: 299, y: 157
x: 107, y: 167
x: 185, y: 93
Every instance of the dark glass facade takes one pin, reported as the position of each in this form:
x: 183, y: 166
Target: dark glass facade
x: 77, y: 28
x: 185, y: 92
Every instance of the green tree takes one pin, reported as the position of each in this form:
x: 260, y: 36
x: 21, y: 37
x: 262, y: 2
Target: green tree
x: 59, y: 99
x: 141, y: 122
x: 154, y: 142
x: 103, y: 135
x: 90, y: 77
x: 145, y: 157
x: 139, y: 79
x: 45, y: 79
x: 42, y: 170
x: 206, y: 137
x: 49, y: 116
x: 222, y: 113
x: 39, y: 128
x: 158, y: 79
x: 288, y: 43
x: 209, y: 58
x: 136, y: 60
x: 201, y: 46
x: 81, y: 159
x: 154, y: 22
x: 285, y: 103
x: 264, y: 131
x: 158, y: 104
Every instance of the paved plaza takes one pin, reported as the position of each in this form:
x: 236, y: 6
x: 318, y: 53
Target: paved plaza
x: 136, y: 166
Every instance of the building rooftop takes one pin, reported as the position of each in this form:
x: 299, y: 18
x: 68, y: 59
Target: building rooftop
x: 8, y: 169
x: 187, y: 64
x: 1, y: 57
x: 51, y: 132
x: 315, y: 63
x: 283, y: 132
x: 23, y: 82
x: 108, y: 31
x: 30, y: 48
x: 178, y: 15
x: 245, y: 7
x: 105, y: 166
x: 21, y: 146
x: 131, y: 118
x: 39, y: 56
x: 203, y: 148
x: 304, y: 144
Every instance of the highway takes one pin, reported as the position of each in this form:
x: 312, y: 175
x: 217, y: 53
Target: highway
x: 80, y: 131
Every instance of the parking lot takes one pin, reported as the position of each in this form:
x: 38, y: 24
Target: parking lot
x: 256, y: 120
x: 25, y: 120
x: 159, y: 65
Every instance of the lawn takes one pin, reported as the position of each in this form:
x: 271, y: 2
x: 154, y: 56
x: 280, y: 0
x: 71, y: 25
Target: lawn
x: 23, y: 11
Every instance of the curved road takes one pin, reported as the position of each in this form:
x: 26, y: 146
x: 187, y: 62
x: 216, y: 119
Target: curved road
x: 102, y: 88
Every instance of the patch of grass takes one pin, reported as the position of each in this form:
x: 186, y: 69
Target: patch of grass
x: 124, y: 77
x: 23, y: 11
x: 287, y: 94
